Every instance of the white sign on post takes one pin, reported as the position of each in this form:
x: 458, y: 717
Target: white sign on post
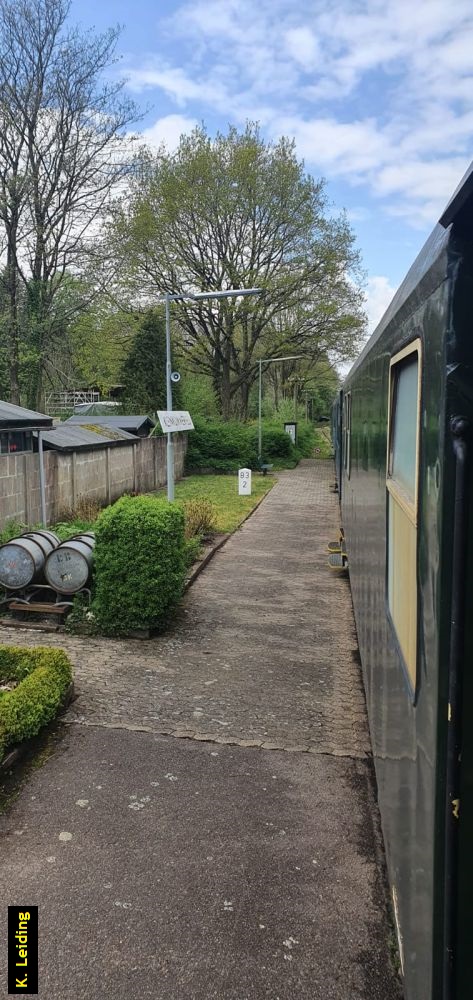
x: 290, y: 429
x: 175, y: 420
x: 244, y: 482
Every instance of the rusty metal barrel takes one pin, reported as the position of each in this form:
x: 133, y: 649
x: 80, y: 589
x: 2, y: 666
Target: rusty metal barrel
x: 22, y: 559
x: 69, y: 567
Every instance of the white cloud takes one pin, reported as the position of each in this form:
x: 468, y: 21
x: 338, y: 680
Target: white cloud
x: 168, y: 130
x: 378, y: 296
x: 343, y: 147
x: 378, y: 93
x: 303, y: 46
x: 173, y: 81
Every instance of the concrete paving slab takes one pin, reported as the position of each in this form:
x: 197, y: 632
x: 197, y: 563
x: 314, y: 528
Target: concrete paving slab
x: 197, y: 871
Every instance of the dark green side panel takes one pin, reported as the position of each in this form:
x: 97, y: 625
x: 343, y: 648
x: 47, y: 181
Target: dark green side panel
x: 408, y: 726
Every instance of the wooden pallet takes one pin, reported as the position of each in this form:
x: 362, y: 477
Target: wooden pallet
x: 39, y: 608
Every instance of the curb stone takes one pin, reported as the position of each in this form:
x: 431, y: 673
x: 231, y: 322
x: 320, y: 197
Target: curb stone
x: 190, y: 734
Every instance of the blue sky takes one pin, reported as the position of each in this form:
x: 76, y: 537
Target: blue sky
x: 377, y: 93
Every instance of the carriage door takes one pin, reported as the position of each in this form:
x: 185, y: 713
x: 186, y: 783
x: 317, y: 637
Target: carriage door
x: 402, y: 493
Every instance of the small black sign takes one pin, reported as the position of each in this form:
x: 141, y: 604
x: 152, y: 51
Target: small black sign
x: 22, y: 949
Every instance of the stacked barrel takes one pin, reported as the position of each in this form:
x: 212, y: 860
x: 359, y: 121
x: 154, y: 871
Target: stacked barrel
x: 68, y: 568
x: 22, y: 559
x: 38, y: 556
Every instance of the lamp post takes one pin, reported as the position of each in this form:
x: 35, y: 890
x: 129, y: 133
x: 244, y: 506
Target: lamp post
x: 265, y: 361
x: 182, y: 297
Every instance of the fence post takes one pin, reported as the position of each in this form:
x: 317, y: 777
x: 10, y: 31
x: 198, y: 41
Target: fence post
x: 73, y: 479
x: 108, y: 476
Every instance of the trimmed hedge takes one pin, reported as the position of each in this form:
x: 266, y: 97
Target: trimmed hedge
x: 222, y: 447
x: 276, y: 443
x: 43, y: 676
x: 140, y: 564
x: 227, y: 447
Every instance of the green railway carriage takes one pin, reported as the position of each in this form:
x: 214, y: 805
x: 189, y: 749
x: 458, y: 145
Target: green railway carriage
x: 403, y: 429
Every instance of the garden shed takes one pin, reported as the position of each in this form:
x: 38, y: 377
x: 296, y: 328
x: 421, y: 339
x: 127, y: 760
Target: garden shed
x: 16, y: 428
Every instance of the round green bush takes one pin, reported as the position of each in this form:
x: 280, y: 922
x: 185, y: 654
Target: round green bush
x: 139, y: 564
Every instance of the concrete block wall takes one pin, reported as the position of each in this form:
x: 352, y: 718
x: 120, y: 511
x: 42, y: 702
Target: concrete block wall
x: 13, y: 486
x: 122, y: 477
x: 102, y: 474
x: 147, y: 465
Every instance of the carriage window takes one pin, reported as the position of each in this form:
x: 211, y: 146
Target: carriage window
x: 347, y: 432
x: 404, y: 422
x: 401, y: 482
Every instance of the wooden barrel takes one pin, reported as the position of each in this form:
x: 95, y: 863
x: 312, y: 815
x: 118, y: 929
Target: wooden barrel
x: 22, y: 559
x: 69, y: 567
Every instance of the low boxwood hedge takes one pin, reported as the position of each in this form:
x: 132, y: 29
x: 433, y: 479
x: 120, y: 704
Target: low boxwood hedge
x: 43, y: 676
x: 139, y: 564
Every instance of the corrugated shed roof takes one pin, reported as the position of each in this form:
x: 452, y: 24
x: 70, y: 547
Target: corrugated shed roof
x: 16, y: 415
x: 67, y: 438
x: 125, y: 423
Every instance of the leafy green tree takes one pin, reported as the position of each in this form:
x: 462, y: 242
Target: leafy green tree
x: 98, y: 342
x: 198, y: 395
x: 238, y: 212
x: 143, y: 374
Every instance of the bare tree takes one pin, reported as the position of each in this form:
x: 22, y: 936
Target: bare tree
x: 62, y: 154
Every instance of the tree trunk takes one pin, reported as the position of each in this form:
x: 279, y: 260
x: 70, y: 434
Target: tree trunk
x: 245, y: 397
x: 14, y: 333
x: 14, y: 365
x: 225, y: 385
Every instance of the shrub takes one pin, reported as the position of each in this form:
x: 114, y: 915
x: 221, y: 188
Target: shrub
x: 227, y: 447
x: 11, y: 529
x: 221, y: 447
x: 86, y: 510
x: 67, y: 529
x: 200, y: 517
x: 139, y: 564
x: 42, y: 676
x: 276, y: 443
x: 306, y: 439
x: 75, y: 520
x: 192, y: 550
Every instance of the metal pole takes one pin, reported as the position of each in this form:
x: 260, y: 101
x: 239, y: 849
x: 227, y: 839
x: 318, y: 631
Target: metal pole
x: 295, y: 400
x: 170, y: 445
x: 168, y: 298
x: 260, y: 435
x: 41, y: 481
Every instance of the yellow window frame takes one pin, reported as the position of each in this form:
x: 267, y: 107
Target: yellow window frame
x: 347, y: 433
x: 402, y: 522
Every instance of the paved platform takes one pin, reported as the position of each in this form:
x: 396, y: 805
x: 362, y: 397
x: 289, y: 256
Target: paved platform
x: 231, y: 849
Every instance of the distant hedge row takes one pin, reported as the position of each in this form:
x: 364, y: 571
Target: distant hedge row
x: 226, y: 447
